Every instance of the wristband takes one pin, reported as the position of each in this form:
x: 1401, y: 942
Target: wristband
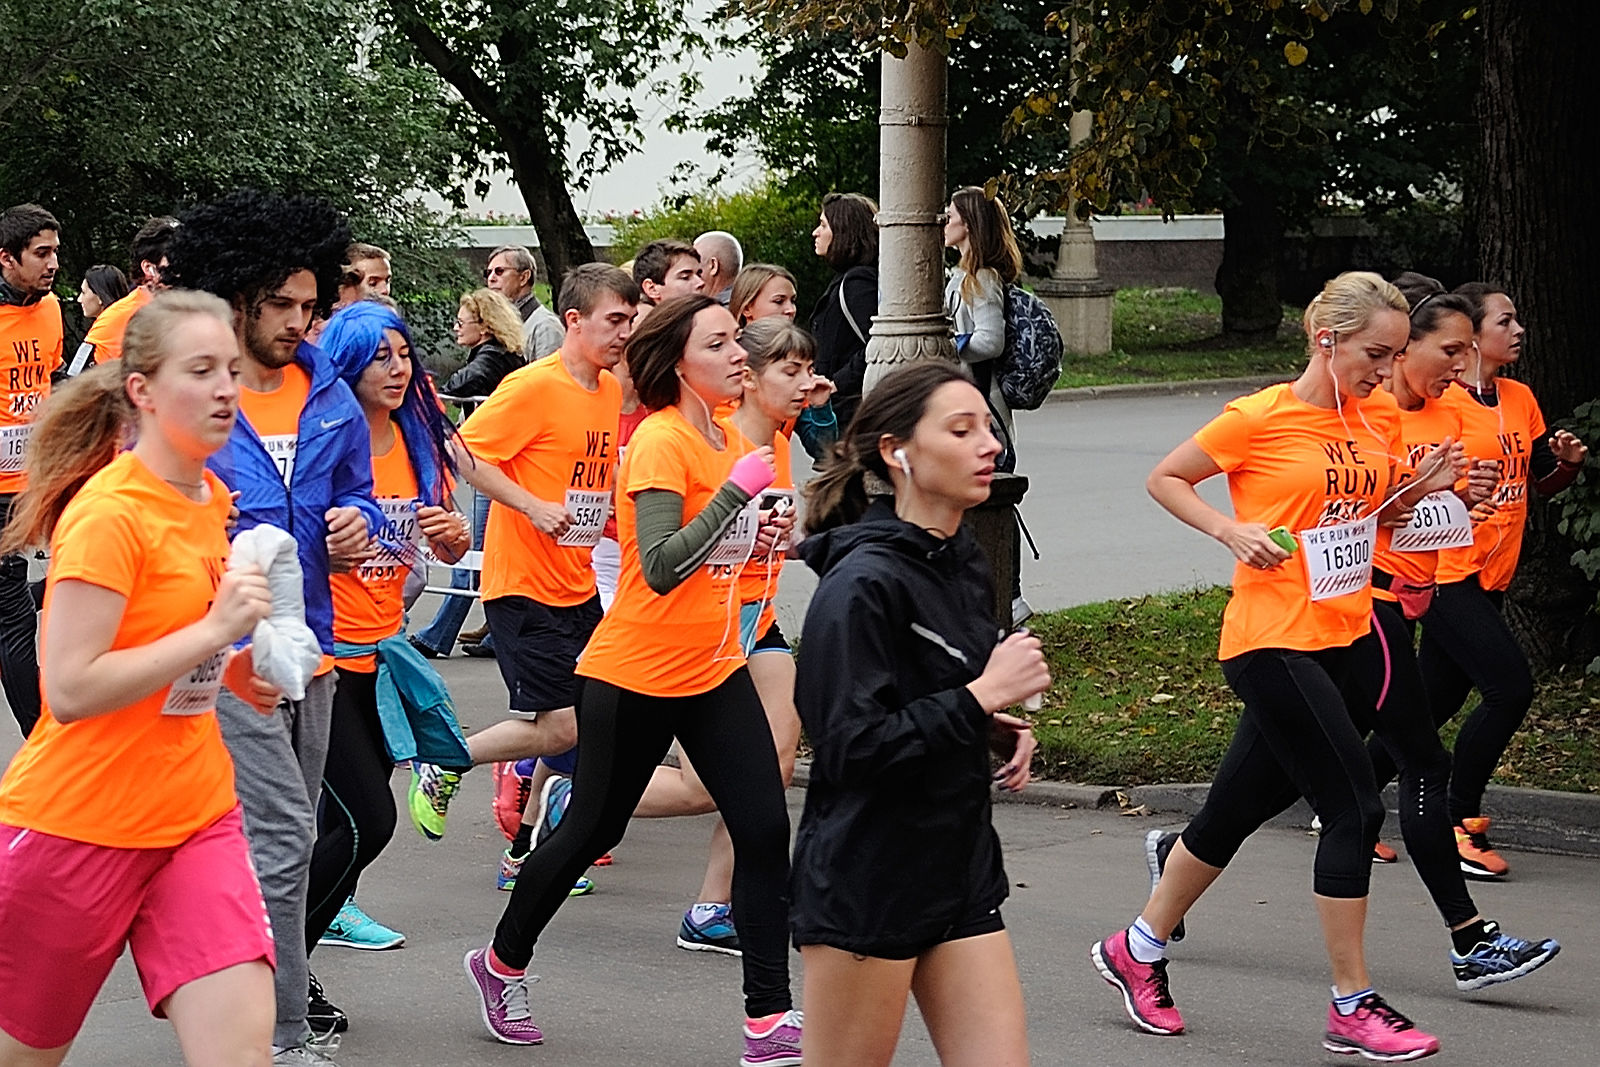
x: 752, y: 474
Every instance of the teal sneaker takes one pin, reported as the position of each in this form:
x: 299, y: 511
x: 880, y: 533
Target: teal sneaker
x: 511, y: 866
x: 354, y: 928
x: 553, y: 800
x: 432, y: 788
x: 711, y: 930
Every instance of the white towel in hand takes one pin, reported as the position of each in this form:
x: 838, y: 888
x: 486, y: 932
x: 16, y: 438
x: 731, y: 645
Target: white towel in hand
x: 285, y: 650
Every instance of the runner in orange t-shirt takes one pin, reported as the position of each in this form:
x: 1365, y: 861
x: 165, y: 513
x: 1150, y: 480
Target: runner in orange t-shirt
x: 371, y: 348
x: 1310, y: 468
x: 125, y: 785
x: 543, y: 449
x: 778, y: 385
x: 1404, y: 735
x: 1465, y: 641
x: 665, y: 661
x: 147, y: 258
x: 30, y: 349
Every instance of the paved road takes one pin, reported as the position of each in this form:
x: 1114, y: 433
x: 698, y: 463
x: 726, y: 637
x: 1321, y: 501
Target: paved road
x: 616, y: 991
x: 1099, y: 534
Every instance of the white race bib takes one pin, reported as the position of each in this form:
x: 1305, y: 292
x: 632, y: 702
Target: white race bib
x: 400, y: 531
x: 281, y: 447
x: 196, y: 692
x: 14, y: 447
x: 1441, y: 520
x: 1339, y: 557
x: 738, y: 540
x: 588, y: 510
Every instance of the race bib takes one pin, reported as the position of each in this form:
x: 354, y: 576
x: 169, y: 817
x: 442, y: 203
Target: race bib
x: 1339, y: 557
x: 401, y: 538
x: 1441, y: 520
x: 14, y: 447
x: 738, y: 540
x: 196, y: 692
x: 588, y: 510
x: 281, y: 447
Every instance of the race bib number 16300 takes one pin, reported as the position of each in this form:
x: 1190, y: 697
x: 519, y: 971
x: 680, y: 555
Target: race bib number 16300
x: 1339, y: 557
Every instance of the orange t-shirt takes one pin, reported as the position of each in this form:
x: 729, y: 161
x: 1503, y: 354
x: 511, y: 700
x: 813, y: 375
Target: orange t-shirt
x: 758, y: 581
x: 369, y: 602
x: 557, y: 440
x: 686, y: 642
x: 30, y: 349
x: 1290, y: 463
x: 275, y: 416
x: 105, y: 333
x: 1420, y: 431
x: 1506, y: 432
x: 150, y: 774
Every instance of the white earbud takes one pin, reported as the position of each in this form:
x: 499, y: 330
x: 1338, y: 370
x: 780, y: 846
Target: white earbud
x: 1325, y: 342
x: 905, y: 464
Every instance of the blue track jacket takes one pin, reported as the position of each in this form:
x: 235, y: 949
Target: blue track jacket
x: 332, y: 469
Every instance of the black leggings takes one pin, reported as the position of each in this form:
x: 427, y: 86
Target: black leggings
x: 1466, y: 644
x: 1404, y: 735
x: 622, y: 738
x: 19, y: 623
x: 356, y: 816
x: 1296, y: 731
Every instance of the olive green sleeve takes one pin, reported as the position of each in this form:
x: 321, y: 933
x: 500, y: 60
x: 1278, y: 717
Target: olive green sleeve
x: 669, y: 548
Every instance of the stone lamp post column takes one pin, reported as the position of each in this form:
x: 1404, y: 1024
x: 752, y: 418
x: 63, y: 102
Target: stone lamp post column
x: 1075, y: 293
x: 911, y: 323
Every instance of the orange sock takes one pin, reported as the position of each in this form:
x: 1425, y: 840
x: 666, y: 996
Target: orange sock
x: 763, y: 1026
x: 500, y: 967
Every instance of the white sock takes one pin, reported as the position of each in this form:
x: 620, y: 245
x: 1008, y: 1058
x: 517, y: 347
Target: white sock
x: 1143, y: 944
x: 1346, y: 1005
x: 704, y: 912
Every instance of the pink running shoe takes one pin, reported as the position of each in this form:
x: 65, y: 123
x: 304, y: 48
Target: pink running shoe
x: 1377, y: 1032
x: 1145, y: 995
x: 503, y: 1000
x: 511, y: 789
x: 777, y: 1047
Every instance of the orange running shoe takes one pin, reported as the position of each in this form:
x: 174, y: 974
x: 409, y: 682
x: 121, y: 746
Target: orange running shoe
x: 604, y: 861
x: 1478, y: 859
x: 512, y: 784
x: 1382, y: 853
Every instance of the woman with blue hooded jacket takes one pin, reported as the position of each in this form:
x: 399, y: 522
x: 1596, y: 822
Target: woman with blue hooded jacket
x: 370, y: 348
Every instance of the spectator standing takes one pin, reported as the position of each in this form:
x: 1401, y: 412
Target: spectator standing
x: 721, y: 259
x: 511, y: 272
x: 847, y: 237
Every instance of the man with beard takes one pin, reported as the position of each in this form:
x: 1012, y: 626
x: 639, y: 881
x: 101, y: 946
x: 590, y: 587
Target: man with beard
x: 30, y: 351
x: 300, y: 459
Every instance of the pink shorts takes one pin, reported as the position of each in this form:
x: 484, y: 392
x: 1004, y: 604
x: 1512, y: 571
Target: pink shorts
x: 68, y: 908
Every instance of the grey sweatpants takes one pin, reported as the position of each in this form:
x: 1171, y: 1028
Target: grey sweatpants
x: 277, y: 769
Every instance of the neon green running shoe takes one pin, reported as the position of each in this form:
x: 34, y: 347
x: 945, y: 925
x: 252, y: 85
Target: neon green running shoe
x: 432, y: 788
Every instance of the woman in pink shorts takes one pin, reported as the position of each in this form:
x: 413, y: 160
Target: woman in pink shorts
x: 118, y: 820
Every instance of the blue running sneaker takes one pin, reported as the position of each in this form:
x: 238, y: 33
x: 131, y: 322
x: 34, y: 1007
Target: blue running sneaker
x: 354, y: 928
x: 1501, y: 959
x: 511, y: 867
x: 711, y: 931
x: 553, y: 798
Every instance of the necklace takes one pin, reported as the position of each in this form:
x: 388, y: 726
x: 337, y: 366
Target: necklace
x: 190, y: 489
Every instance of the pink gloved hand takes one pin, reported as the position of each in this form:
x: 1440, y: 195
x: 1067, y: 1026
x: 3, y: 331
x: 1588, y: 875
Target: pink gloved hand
x: 754, y: 471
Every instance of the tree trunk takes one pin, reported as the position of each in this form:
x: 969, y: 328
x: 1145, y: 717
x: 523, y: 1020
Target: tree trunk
x: 1534, y: 238
x: 1247, y: 279
x: 539, y: 177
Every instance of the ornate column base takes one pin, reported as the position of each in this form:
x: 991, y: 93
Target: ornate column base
x: 1082, y: 307
x: 898, y: 339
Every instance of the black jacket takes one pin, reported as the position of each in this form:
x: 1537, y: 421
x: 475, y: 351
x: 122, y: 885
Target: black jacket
x: 487, y: 363
x: 841, y: 352
x: 895, y: 844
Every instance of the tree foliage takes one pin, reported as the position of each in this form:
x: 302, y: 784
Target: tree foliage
x: 813, y: 114
x: 114, y: 110
x: 540, y: 85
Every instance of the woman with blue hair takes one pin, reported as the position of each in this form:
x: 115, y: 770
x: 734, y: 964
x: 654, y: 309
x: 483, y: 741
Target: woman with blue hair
x: 371, y: 350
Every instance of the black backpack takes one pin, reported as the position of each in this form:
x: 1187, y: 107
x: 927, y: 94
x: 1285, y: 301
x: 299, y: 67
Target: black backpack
x: 1031, y: 362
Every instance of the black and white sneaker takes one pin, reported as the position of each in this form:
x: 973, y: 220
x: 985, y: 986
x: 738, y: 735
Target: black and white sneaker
x: 1157, y: 847
x: 321, y: 1015
x: 1502, y: 958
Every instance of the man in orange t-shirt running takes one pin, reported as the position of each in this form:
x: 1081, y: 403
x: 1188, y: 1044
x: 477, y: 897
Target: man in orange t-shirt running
x: 147, y: 257
x: 30, y: 351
